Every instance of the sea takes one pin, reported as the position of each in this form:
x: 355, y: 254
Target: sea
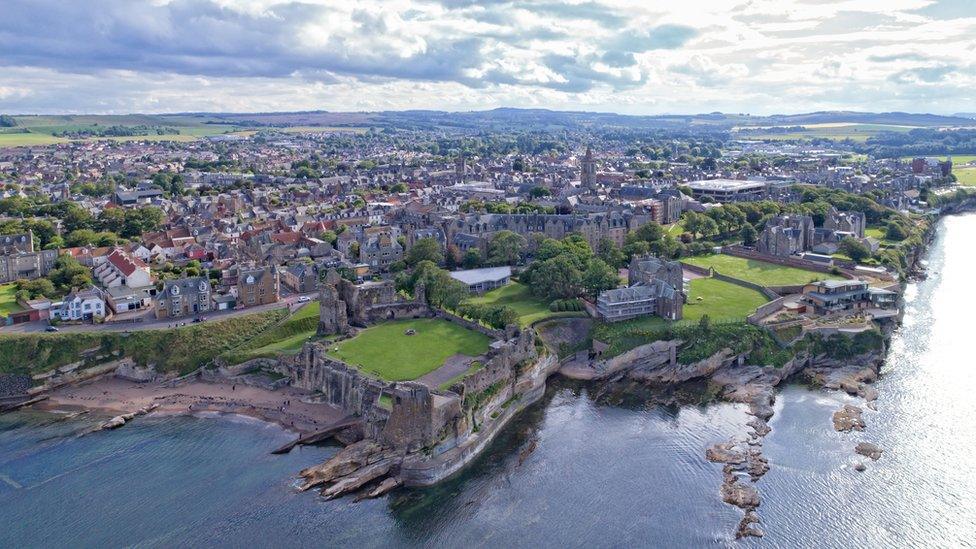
x: 589, y: 465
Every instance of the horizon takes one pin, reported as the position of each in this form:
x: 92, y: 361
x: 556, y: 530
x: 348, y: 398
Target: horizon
x: 610, y: 56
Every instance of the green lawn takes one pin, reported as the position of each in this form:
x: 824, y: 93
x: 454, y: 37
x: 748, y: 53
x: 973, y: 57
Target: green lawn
x: 8, y: 300
x: 757, y: 272
x: 721, y: 301
x: 965, y: 176
x: 386, y: 351
x: 286, y: 337
x: 518, y: 297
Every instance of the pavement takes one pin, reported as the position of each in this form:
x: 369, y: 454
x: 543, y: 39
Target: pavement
x: 149, y: 322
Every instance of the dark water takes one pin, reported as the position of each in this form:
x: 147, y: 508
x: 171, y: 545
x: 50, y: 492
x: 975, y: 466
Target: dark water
x: 603, y: 473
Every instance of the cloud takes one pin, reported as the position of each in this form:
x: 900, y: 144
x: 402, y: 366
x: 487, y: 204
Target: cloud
x: 756, y: 56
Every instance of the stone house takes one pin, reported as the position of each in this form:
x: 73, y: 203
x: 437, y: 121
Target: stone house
x: 184, y: 297
x: 258, y: 286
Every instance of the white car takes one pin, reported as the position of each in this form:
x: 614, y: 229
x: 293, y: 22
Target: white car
x: 304, y: 299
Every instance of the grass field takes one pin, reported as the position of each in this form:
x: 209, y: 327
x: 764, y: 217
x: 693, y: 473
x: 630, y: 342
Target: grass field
x: 965, y: 176
x: 757, y: 272
x: 40, y: 129
x: 837, y: 131
x: 386, y: 351
x: 8, y: 300
x: 287, y: 337
x: 517, y: 296
x: 957, y: 159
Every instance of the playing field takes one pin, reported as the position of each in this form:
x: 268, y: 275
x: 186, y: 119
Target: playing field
x: 965, y: 176
x: 757, y: 272
x: 386, y: 351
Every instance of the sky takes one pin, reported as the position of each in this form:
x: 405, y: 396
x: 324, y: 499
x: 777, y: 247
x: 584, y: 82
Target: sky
x: 632, y: 57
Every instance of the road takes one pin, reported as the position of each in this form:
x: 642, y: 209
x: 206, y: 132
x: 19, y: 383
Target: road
x: 149, y: 321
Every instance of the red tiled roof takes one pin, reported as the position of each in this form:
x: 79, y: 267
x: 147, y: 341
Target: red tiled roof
x: 125, y: 263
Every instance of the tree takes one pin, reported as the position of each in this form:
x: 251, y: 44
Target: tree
x: 599, y: 277
x: 68, y: 273
x: 471, y: 259
x: 80, y: 237
x: 442, y: 290
x: 425, y: 249
x: 539, y: 192
x: 505, y: 248
x: 328, y: 236
x: 649, y: 232
x: 748, y: 234
x: 894, y: 231
x: 558, y: 277
x: 609, y: 252
x: 852, y: 248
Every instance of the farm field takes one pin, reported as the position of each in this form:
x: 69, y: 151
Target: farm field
x: 385, y: 350
x: 40, y: 130
x: 835, y: 131
x: 757, y: 272
x: 965, y: 176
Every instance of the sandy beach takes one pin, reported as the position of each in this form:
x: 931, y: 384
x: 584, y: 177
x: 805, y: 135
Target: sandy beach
x: 286, y: 406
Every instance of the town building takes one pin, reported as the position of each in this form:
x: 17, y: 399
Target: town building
x: 258, y: 286
x: 480, y: 281
x: 183, y: 297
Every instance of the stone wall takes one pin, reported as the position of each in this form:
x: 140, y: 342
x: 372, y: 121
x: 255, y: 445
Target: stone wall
x: 128, y: 370
x: 746, y: 284
x: 739, y: 251
x: 469, y: 324
x: 340, y: 384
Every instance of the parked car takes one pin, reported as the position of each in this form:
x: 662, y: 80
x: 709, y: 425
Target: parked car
x: 51, y: 329
x: 304, y: 299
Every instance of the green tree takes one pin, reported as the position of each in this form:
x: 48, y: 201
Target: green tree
x: 748, y: 234
x: 68, y: 273
x: 852, y: 248
x: 505, y: 248
x: 608, y: 251
x: 558, y: 277
x: 425, y: 249
x: 471, y: 259
x: 599, y: 277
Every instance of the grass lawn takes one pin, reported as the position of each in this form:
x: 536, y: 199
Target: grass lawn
x: 965, y: 176
x: 286, y: 337
x: 518, y: 297
x: 386, y: 351
x: 757, y: 272
x: 836, y: 131
x: 8, y: 300
x: 721, y: 301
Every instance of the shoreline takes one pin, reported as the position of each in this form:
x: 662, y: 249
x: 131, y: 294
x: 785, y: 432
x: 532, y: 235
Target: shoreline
x: 289, y: 408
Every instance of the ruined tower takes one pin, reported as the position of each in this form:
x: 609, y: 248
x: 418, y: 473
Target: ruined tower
x: 333, y: 318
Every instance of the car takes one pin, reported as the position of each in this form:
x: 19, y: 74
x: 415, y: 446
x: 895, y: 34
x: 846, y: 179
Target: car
x: 199, y: 319
x: 51, y: 329
x: 304, y: 299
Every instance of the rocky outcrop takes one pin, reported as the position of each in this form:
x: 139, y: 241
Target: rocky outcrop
x: 345, y: 462
x: 121, y: 420
x: 667, y: 373
x: 848, y: 418
x: 869, y: 450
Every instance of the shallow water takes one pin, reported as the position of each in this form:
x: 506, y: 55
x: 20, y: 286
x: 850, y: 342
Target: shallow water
x: 601, y: 474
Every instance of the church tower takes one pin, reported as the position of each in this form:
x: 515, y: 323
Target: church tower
x: 588, y: 170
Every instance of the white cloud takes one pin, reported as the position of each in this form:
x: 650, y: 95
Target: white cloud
x: 756, y: 56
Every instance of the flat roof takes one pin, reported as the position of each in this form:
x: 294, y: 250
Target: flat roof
x: 725, y: 185
x: 488, y: 274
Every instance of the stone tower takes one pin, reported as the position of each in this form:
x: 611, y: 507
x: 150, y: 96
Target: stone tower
x: 588, y: 170
x: 460, y: 168
x: 333, y: 318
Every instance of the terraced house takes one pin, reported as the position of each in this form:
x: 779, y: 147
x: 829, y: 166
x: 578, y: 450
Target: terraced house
x: 184, y: 297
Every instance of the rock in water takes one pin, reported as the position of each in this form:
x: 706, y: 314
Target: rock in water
x: 848, y: 418
x: 744, y: 496
x: 724, y: 453
x: 867, y: 449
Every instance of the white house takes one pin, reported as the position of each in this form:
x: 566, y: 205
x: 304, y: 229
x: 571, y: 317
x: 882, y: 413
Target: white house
x: 122, y: 269
x: 81, y: 305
